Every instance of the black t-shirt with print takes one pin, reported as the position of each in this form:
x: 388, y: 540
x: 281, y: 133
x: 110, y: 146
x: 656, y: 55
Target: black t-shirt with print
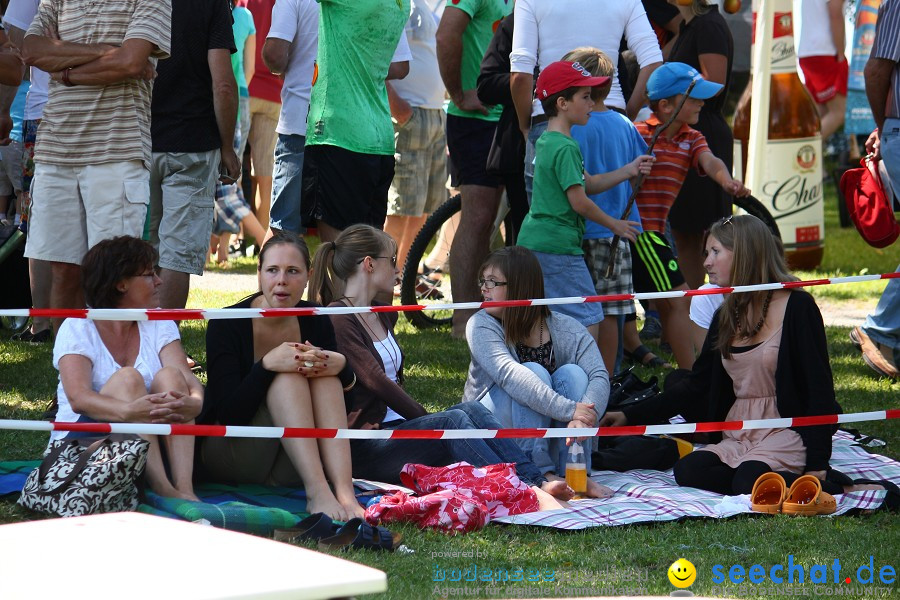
x: 183, y: 117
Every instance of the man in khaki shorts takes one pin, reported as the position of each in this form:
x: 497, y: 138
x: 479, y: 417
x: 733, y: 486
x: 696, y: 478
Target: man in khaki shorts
x: 417, y: 109
x: 92, y: 156
x: 195, y: 104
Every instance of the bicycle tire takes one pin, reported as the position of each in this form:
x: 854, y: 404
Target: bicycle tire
x: 417, y: 251
x: 754, y: 207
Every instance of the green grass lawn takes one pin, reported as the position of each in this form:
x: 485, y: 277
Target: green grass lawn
x: 599, y: 560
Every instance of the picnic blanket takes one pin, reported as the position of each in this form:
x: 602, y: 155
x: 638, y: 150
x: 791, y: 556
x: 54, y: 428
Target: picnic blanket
x: 640, y: 497
x: 643, y: 496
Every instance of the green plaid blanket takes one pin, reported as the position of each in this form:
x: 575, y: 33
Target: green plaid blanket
x: 236, y: 516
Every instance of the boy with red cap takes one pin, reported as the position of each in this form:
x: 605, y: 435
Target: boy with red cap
x: 554, y: 226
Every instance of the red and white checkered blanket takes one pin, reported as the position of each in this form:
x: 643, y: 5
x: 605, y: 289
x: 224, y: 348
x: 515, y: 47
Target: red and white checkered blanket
x: 643, y: 496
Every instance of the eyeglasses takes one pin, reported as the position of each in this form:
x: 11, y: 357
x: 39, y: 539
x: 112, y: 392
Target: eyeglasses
x: 393, y: 259
x: 490, y: 283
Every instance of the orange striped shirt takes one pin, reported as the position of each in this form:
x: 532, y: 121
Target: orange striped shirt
x: 674, y: 157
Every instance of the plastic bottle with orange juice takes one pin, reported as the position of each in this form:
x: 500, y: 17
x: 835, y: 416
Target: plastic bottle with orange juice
x: 576, y: 469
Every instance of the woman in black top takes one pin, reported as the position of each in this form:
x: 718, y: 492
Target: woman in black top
x: 765, y: 357
x: 704, y: 42
x: 281, y: 371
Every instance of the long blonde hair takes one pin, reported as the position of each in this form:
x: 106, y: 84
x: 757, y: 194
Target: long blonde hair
x: 758, y: 258
x: 336, y: 261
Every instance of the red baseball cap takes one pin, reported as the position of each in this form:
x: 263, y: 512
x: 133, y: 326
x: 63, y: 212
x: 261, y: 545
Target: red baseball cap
x: 562, y: 74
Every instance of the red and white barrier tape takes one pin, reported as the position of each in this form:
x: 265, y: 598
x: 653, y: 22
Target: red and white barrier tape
x: 193, y: 314
x: 443, y: 434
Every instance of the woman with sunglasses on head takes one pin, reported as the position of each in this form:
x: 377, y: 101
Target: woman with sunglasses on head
x: 532, y: 367
x: 352, y: 271
x: 765, y: 357
x: 281, y: 371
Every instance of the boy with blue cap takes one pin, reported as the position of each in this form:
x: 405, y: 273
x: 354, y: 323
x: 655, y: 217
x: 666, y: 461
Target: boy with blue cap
x: 677, y: 149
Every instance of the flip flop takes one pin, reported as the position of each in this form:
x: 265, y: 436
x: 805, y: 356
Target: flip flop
x: 806, y: 498
x: 892, y: 500
x: 314, y: 527
x: 768, y: 493
x: 356, y: 533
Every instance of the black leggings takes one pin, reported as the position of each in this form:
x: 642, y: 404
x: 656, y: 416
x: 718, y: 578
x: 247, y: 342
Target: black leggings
x: 703, y: 469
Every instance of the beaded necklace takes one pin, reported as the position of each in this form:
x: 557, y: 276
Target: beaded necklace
x: 520, y: 347
x: 759, y: 325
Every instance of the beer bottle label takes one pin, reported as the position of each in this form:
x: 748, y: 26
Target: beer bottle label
x: 783, y: 56
x: 792, y: 190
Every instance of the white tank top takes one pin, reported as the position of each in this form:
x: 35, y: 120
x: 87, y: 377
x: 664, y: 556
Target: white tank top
x: 391, y: 357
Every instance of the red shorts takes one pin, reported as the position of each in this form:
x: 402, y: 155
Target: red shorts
x: 825, y: 77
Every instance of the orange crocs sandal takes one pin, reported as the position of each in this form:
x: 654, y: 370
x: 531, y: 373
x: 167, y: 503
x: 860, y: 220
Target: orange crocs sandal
x: 806, y: 498
x: 768, y: 493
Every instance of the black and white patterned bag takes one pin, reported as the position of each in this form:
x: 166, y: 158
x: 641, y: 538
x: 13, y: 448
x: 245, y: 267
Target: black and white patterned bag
x: 86, y: 476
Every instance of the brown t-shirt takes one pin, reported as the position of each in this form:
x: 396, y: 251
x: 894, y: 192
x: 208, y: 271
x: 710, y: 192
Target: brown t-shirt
x: 96, y: 124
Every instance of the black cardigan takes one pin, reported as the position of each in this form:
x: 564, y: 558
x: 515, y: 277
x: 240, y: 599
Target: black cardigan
x: 237, y: 384
x: 803, y: 382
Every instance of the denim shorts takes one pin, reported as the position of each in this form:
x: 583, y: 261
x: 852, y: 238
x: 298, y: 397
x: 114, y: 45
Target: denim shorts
x: 567, y: 275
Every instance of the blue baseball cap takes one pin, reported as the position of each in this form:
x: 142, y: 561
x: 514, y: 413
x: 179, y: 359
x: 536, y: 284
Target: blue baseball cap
x: 673, y: 78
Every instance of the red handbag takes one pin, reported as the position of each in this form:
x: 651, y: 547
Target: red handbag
x: 868, y: 204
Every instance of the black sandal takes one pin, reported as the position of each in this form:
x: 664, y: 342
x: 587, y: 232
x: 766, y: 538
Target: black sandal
x: 356, y: 533
x: 314, y: 527
x: 640, y: 356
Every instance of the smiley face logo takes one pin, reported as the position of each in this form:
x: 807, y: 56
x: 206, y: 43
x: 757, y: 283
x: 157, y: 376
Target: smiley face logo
x: 682, y: 573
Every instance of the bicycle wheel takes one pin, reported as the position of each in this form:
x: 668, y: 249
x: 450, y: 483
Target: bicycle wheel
x: 434, y: 286
x: 754, y: 207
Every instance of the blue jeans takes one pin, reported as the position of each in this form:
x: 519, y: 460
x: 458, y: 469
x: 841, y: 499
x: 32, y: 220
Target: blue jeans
x: 569, y: 381
x: 534, y: 133
x: 287, y: 183
x: 382, y: 460
x: 890, y: 151
x: 883, y: 325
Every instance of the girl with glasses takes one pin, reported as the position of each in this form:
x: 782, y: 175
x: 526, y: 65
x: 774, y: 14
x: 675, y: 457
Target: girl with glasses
x: 531, y: 367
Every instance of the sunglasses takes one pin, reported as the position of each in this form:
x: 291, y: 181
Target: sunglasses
x: 393, y: 259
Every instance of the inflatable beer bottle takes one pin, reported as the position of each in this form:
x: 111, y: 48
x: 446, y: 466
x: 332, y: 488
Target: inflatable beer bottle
x: 788, y: 180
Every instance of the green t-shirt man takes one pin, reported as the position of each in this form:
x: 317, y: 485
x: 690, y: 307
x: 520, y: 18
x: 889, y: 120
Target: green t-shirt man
x: 552, y: 226
x: 485, y: 15
x: 348, y: 107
